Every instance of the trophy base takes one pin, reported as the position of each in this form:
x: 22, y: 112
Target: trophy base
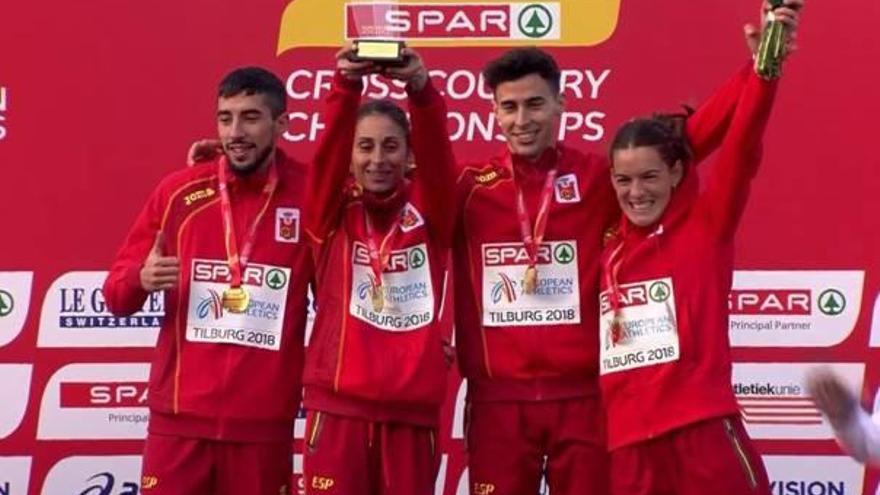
x: 386, y: 52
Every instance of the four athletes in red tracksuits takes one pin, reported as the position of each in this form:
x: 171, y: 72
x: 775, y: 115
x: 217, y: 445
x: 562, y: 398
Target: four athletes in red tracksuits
x: 535, y: 339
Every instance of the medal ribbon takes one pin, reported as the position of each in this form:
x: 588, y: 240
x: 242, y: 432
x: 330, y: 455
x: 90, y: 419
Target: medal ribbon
x: 238, y: 262
x: 533, y: 237
x: 380, y: 254
x: 612, y: 267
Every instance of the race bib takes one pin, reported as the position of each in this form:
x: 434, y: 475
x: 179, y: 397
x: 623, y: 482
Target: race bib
x: 649, y: 333
x: 556, y: 301
x: 406, y: 285
x: 259, y: 326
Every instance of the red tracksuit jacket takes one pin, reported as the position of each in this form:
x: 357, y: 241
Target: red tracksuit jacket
x: 677, y: 274
x: 380, y: 365
x: 513, y: 346
x: 218, y: 375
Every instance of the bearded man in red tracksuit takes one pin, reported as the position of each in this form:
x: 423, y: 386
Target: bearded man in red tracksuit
x: 223, y: 241
x: 528, y: 239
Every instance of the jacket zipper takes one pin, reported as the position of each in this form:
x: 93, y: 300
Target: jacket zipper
x: 740, y: 453
x: 315, y: 432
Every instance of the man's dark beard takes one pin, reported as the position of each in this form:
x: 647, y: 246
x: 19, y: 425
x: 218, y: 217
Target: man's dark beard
x: 251, y: 167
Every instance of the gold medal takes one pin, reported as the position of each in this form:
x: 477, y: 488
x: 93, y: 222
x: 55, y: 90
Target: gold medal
x: 378, y: 298
x: 236, y: 299
x: 530, y: 280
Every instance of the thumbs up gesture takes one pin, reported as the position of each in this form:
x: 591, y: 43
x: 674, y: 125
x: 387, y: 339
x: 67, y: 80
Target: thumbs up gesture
x: 159, y: 272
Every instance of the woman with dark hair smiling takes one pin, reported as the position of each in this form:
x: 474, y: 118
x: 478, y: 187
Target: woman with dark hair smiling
x: 665, y: 365
x: 375, y: 374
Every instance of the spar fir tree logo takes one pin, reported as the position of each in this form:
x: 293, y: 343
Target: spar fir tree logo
x: 564, y: 253
x: 535, y: 21
x: 659, y: 292
x: 416, y: 258
x: 6, y: 303
x: 831, y: 302
x: 276, y: 279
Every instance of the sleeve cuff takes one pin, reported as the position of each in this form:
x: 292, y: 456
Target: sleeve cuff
x: 425, y: 96
x: 346, y: 84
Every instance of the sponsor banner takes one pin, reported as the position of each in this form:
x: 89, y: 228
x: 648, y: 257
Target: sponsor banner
x: 260, y: 325
x: 75, y: 314
x: 556, y: 300
x: 95, y: 402
x: 15, y: 474
x: 814, y: 475
x: 794, y: 308
x: 459, y: 23
x: 774, y: 401
x: 94, y: 475
x: 15, y: 387
x: 15, y: 300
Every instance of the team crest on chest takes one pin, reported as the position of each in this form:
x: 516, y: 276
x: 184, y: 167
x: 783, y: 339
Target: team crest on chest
x: 410, y: 218
x: 287, y: 225
x: 567, y: 189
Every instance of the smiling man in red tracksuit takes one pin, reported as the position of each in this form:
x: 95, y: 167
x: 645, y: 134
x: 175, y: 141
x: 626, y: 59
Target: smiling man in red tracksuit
x: 223, y: 240
x: 526, y: 256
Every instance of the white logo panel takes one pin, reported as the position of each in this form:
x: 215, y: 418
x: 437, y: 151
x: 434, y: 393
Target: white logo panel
x: 95, y: 402
x: 15, y: 300
x: 15, y: 388
x: 15, y: 473
x: 875, y: 323
x: 774, y: 401
x: 105, y: 475
x: 74, y: 314
x: 794, y: 308
x: 814, y: 475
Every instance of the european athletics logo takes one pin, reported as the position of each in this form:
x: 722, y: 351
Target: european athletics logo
x: 505, y: 288
x: 213, y: 304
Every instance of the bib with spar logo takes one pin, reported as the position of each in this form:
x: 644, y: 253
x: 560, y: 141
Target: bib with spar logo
x: 649, y: 334
x: 556, y: 300
x: 259, y: 326
x: 406, y: 288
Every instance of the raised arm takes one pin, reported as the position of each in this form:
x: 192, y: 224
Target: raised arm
x: 332, y: 161
x: 739, y: 157
x: 435, y: 161
x: 708, y: 125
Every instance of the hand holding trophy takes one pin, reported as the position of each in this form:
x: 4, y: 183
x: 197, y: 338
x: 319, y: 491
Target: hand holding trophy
x: 373, y: 38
